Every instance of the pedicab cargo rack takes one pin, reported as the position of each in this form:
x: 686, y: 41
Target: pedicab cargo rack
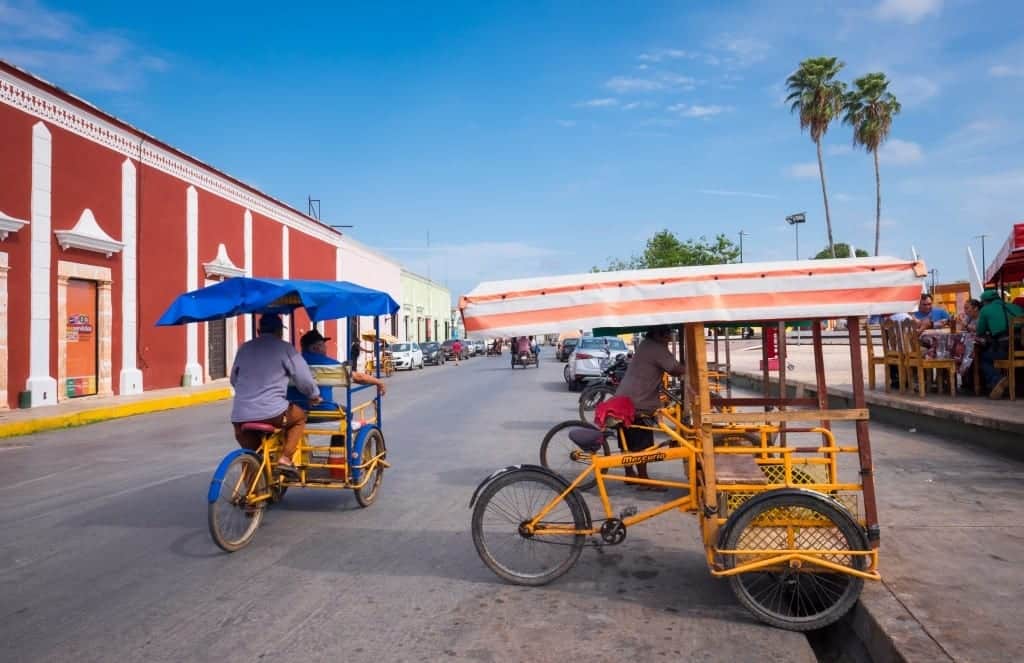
x: 354, y: 455
x: 793, y: 527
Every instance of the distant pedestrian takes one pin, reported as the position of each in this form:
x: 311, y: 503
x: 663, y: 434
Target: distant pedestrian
x: 353, y: 354
x: 457, y: 350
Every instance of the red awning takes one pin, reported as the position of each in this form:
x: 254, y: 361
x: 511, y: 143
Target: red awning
x: 1008, y: 265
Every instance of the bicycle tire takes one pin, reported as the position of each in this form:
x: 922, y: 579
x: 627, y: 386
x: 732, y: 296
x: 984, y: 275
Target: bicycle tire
x: 593, y: 396
x: 373, y: 446
x: 796, y: 599
x: 502, y: 524
x: 232, y: 523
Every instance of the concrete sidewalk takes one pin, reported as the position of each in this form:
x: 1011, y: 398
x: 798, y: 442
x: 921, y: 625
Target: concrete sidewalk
x: 92, y: 409
x: 952, y: 555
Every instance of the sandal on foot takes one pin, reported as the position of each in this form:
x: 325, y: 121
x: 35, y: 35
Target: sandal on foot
x: 289, y: 471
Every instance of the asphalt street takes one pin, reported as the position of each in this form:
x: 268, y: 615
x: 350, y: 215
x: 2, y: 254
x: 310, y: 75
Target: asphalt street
x: 105, y: 553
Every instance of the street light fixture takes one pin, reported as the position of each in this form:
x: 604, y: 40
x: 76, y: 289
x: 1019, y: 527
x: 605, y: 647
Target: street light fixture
x: 742, y: 235
x: 795, y: 220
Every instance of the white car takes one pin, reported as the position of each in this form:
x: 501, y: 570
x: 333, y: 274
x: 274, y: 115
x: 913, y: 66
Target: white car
x: 590, y: 356
x: 406, y: 355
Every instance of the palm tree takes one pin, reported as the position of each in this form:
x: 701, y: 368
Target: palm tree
x: 815, y: 92
x: 869, y: 110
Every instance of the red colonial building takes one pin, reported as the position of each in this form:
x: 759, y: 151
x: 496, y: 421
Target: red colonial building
x: 101, y: 226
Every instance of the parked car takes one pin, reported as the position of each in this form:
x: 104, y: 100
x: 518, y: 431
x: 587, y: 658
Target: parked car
x: 565, y: 348
x: 406, y: 355
x: 591, y: 356
x: 432, y: 353
x: 449, y: 352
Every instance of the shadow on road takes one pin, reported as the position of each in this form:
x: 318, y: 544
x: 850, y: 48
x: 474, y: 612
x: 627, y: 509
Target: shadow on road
x: 560, y: 387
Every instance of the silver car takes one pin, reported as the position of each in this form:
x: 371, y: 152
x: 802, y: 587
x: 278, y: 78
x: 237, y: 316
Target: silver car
x: 590, y: 357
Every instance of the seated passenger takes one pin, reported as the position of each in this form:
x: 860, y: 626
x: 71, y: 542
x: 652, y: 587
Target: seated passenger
x: 314, y: 351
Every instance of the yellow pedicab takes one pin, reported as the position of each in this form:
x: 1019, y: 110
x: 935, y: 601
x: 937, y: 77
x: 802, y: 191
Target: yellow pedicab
x: 387, y: 367
x: 793, y: 528
x: 350, y: 454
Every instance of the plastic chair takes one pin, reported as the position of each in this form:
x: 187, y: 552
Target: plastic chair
x: 1015, y: 359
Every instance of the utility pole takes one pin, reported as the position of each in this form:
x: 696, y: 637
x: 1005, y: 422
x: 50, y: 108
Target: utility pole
x: 795, y: 220
x: 933, y: 272
x: 742, y: 235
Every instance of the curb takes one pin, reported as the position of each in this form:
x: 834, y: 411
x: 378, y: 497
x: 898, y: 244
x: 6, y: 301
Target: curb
x: 108, y: 412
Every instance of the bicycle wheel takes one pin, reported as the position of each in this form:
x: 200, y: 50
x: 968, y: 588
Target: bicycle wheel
x: 564, y: 457
x: 232, y: 521
x: 512, y: 500
x: 796, y: 598
x: 373, y: 448
x: 592, y: 397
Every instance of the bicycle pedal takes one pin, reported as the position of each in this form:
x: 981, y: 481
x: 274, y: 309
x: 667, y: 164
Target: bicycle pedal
x: 628, y: 512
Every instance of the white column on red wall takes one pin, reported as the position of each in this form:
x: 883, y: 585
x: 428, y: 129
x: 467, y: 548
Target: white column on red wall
x: 193, y: 371
x: 284, y: 274
x: 41, y: 384
x: 130, y: 381
x: 342, y: 327
x: 3, y: 330
x: 247, y: 239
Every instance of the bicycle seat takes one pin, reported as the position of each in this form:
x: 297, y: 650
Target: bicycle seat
x: 587, y: 439
x: 257, y: 427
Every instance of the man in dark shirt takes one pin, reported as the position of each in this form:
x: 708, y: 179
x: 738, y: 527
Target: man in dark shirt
x: 642, y: 384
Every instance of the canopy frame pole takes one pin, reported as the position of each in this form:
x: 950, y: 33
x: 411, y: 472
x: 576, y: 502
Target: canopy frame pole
x: 867, y: 473
x: 697, y: 371
x: 782, y: 379
x: 376, y: 364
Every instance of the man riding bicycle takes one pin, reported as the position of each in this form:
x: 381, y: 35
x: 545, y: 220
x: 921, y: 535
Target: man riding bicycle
x: 260, y: 377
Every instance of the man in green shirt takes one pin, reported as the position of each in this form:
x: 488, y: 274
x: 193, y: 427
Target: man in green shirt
x: 994, y: 320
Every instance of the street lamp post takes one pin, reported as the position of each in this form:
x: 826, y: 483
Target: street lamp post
x: 933, y: 272
x: 795, y: 220
x: 742, y: 235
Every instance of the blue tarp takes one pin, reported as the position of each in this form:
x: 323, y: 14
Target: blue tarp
x: 323, y: 300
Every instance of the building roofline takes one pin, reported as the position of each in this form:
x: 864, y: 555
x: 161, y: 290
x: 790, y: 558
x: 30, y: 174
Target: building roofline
x: 82, y: 104
x: 420, y: 277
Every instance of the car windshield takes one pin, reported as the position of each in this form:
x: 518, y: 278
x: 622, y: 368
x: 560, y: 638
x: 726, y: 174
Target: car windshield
x: 601, y: 343
x: 570, y: 341
x: 429, y: 346
x: 400, y: 347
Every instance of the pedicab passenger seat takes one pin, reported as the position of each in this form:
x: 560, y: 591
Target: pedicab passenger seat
x: 328, y: 412
x: 738, y: 468
x: 587, y: 439
x: 257, y: 427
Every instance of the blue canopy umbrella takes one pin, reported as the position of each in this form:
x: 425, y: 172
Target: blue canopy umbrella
x: 323, y: 300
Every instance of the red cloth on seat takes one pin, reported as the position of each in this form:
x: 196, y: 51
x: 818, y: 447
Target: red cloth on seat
x: 619, y: 407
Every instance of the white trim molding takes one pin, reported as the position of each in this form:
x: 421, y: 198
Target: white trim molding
x: 8, y: 225
x: 87, y: 235
x: 4, y: 267
x: 40, y: 384
x: 193, y: 371
x: 130, y: 379
x: 36, y: 100
x: 221, y: 266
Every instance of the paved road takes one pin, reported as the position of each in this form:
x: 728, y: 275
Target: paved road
x: 105, y: 554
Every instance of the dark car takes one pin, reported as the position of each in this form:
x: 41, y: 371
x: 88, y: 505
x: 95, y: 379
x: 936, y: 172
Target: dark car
x: 566, y: 348
x: 449, y: 352
x: 433, y: 354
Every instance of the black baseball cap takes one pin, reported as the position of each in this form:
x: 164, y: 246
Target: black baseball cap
x: 311, y: 337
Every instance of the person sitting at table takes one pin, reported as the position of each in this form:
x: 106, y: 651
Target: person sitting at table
x: 994, y: 336
x: 929, y: 317
x: 314, y: 351
x: 963, y: 351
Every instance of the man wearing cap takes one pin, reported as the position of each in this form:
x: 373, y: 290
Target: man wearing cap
x: 260, y: 377
x: 993, y: 325
x: 314, y: 352
x: 642, y: 384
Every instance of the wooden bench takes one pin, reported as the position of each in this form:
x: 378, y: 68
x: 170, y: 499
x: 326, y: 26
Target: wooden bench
x: 738, y: 469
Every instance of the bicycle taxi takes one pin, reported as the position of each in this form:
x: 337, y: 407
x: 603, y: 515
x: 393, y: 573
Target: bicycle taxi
x: 790, y: 519
x: 343, y: 446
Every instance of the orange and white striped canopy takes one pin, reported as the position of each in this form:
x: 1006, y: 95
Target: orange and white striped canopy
x: 791, y: 290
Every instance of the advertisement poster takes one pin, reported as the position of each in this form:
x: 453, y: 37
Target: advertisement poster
x: 81, y: 338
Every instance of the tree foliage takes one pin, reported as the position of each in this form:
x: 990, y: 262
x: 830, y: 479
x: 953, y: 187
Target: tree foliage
x: 664, y: 249
x: 842, y: 251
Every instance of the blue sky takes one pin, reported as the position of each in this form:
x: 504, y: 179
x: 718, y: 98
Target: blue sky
x: 538, y: 138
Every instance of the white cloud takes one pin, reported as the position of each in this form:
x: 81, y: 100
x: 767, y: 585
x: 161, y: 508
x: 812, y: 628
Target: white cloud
x: 567, y: 123
x: 913, y: 90
x: 1009, y: 183
x: 743, y: 51
x: 697, y: 110
x: 838, y: 150
x: 1005, y: 71
x: 639, y: 104
x: 598, y: 103
x: 843, y: 197
x: 62, y: 47
x: 628, y: 84
x: 900, y: 152
x: 803, y: 170
x: 737, y: 194
x: 907, y: 11
x: 667, y: 54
